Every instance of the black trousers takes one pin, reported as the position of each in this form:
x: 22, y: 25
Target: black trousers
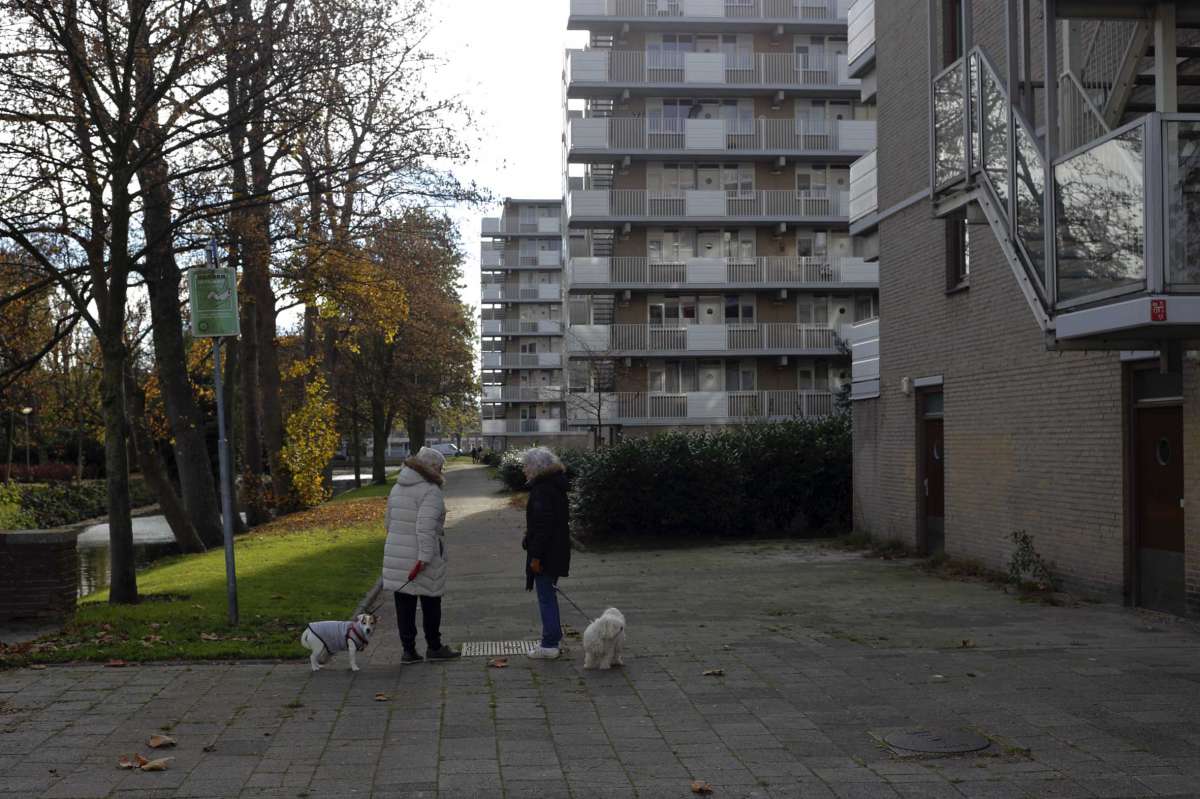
x: 431, y: 620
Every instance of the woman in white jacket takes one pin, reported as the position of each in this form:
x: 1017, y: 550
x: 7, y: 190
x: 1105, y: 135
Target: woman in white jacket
x: 414, y: 557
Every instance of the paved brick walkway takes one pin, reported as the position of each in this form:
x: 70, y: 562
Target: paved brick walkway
x: 822, y: 654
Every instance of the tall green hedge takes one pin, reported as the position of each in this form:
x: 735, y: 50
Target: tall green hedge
x: 785, y: 478
x: 58, y: 504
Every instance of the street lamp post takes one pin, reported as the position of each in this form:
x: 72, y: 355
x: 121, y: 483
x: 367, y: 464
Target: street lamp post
x: 25, y: 412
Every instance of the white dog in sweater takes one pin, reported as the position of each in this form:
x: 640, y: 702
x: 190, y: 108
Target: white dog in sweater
x: 326, y: 638
x: 603, y: 641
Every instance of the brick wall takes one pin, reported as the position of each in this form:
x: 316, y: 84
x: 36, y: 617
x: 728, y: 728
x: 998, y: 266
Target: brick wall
x: 39, y: 571
x: 1033, y: 439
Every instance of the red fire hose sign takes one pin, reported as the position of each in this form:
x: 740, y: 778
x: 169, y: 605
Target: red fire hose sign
x: 1158, y: 310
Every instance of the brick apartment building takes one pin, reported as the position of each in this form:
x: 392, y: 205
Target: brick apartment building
x: 522, y: 326
x: 1033, y: 366
x: 710, y: 272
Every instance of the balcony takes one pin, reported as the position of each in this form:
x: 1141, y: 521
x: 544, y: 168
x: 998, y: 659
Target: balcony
x: 864, y: 192
x: 543, y: 292
x: 492, y: 427
x: 768, y: 338
x: 604, y: 71
x: 861, y: 33
x: 608, y: 274
x: 522, y: 393
x: 587, y: 13
x: 490, y: 257
x: 612, y: 137
x: 864, y: 359
x: 516, y: 226
x: 697, y: 407
x: 520, y: 327
x: 522, y: 360
x: 604, y: 208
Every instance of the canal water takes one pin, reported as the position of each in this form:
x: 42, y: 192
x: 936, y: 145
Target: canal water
x: 152, y: 539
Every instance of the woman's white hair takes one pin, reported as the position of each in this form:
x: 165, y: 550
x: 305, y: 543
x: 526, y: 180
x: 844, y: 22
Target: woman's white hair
x: 540, y: 460
x: 428, y: 456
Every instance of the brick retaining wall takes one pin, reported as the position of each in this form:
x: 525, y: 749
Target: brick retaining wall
x: 39, y: 570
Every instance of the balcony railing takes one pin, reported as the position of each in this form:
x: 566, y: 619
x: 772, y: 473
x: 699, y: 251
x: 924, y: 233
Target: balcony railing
x: 543, y: 291
x: 515, y: 225
x: 493, y: 427
x: 864, y: 359
x: 765, y: 272
x: 770, y: 204
x: 698, y: 406
x: 764, y: 136
x: 800, y: 10
x: 522, y: 393
x: 490, y: 226
x: 522, y: 360
x: 639, y: 67
x: 789, y: 337
x: 521, y: 327
x: 864, y: 186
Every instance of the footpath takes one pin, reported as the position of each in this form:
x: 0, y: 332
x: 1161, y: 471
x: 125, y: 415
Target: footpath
x: 756, y: 670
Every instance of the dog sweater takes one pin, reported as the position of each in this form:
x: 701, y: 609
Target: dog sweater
x: 335, y: 635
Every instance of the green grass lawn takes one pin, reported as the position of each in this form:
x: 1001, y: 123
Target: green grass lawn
x: 304, y: 567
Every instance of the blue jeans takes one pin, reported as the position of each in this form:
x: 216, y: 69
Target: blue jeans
x: 548, y: 605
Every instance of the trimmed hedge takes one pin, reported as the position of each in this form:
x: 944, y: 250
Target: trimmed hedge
x: 785, y: 478
x: 510, y: 472
x: 59, y: 504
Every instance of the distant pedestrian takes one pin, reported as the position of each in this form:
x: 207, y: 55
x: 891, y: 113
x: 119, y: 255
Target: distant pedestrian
x: 414, y: 557
x: 474, y: 454
x: 547, y: 541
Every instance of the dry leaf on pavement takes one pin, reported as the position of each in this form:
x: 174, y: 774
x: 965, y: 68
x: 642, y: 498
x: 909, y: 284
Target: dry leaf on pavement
x: 967, y: 643
x: 38, y: 666
x: 209, y: 637
x: 381, y: 697
x: 116, y: 663
x: 157, y: 765
x: 160, y: 741
x: 498, y: 663
x: 701, y: 787
x: 124, y: 762
x: 714, y: 673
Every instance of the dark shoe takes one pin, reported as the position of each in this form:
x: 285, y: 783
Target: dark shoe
x: 411, y: 657
x: 443, y: 652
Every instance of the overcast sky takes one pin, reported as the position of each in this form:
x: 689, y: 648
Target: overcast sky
x: 505, y: 58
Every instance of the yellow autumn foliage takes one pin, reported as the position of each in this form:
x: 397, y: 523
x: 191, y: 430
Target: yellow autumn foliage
x: 312, y: 441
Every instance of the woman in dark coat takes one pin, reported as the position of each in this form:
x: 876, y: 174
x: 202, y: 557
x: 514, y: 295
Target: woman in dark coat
x: 547, y: 542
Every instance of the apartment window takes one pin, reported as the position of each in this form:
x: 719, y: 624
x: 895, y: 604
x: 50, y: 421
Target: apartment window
x: 529, y: 347
x: 814, y: 244
x: 672, y: 377
x: 866, y: 306
x: 739, y: 309
x: 953, y: 31
x: 958, y: 251
x: 804, y: 377
x: 739, y: 375
x: 672, y: 311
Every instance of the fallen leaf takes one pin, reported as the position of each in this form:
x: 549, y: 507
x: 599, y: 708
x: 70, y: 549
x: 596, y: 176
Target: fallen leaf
x: 209, y: 637
x: 38, y: 666
x: 381, y: 697
x: 278, y: 596
x: 141, y: 761
x: 209, y: 748
x: 160, y: 741
x: 498, y: 663
x: 714, y: 673
x: 124, y: 762
x: 157, y: 765
x: 967, y: 643
x: 701, y: 787
x: 116, y: 663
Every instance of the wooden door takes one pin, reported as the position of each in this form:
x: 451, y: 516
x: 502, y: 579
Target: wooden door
x: 1158, y: 507
x: 934, y: 486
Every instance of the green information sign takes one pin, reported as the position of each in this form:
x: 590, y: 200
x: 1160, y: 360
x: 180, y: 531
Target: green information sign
x: 213, y: 294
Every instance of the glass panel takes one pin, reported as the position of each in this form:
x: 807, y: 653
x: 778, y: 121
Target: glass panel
x: 1183, y: 204
x: 950, y: 159
x: 973, y: 96
x: 994, y: 148
x: 1101, y: 229
x: 1031, y: 180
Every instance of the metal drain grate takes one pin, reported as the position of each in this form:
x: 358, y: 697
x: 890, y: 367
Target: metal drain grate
x: 943, y: 742
x: 483, y: 649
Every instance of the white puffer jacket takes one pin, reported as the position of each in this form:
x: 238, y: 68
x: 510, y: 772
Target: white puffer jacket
x: 415, y: 522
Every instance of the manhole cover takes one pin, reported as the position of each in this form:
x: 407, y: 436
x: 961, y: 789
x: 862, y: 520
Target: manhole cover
x: 480, y: 649
x: 942, y: 742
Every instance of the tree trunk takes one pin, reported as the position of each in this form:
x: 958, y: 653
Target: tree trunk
x: 154, y: 472
x: 123, y: 581
x: 381, y: 430
x: 8, y: 469
x: 415, y: 424
x: 198, y: 489
x: 356, y: 444
x: 228, y: 382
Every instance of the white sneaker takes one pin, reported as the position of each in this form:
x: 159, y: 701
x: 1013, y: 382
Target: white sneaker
x: 543, y: 653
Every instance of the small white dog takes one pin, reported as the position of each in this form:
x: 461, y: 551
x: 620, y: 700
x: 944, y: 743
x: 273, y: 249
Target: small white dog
x: 603, y: 641
x: 327, y: 638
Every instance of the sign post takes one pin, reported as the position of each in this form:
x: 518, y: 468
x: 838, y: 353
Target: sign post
x: 212, y: 296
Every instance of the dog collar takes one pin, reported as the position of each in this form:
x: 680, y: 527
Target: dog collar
x: 355, y: 634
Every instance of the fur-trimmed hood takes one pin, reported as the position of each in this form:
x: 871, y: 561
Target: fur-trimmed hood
x: 549, y: 471
x: 417, y: 472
